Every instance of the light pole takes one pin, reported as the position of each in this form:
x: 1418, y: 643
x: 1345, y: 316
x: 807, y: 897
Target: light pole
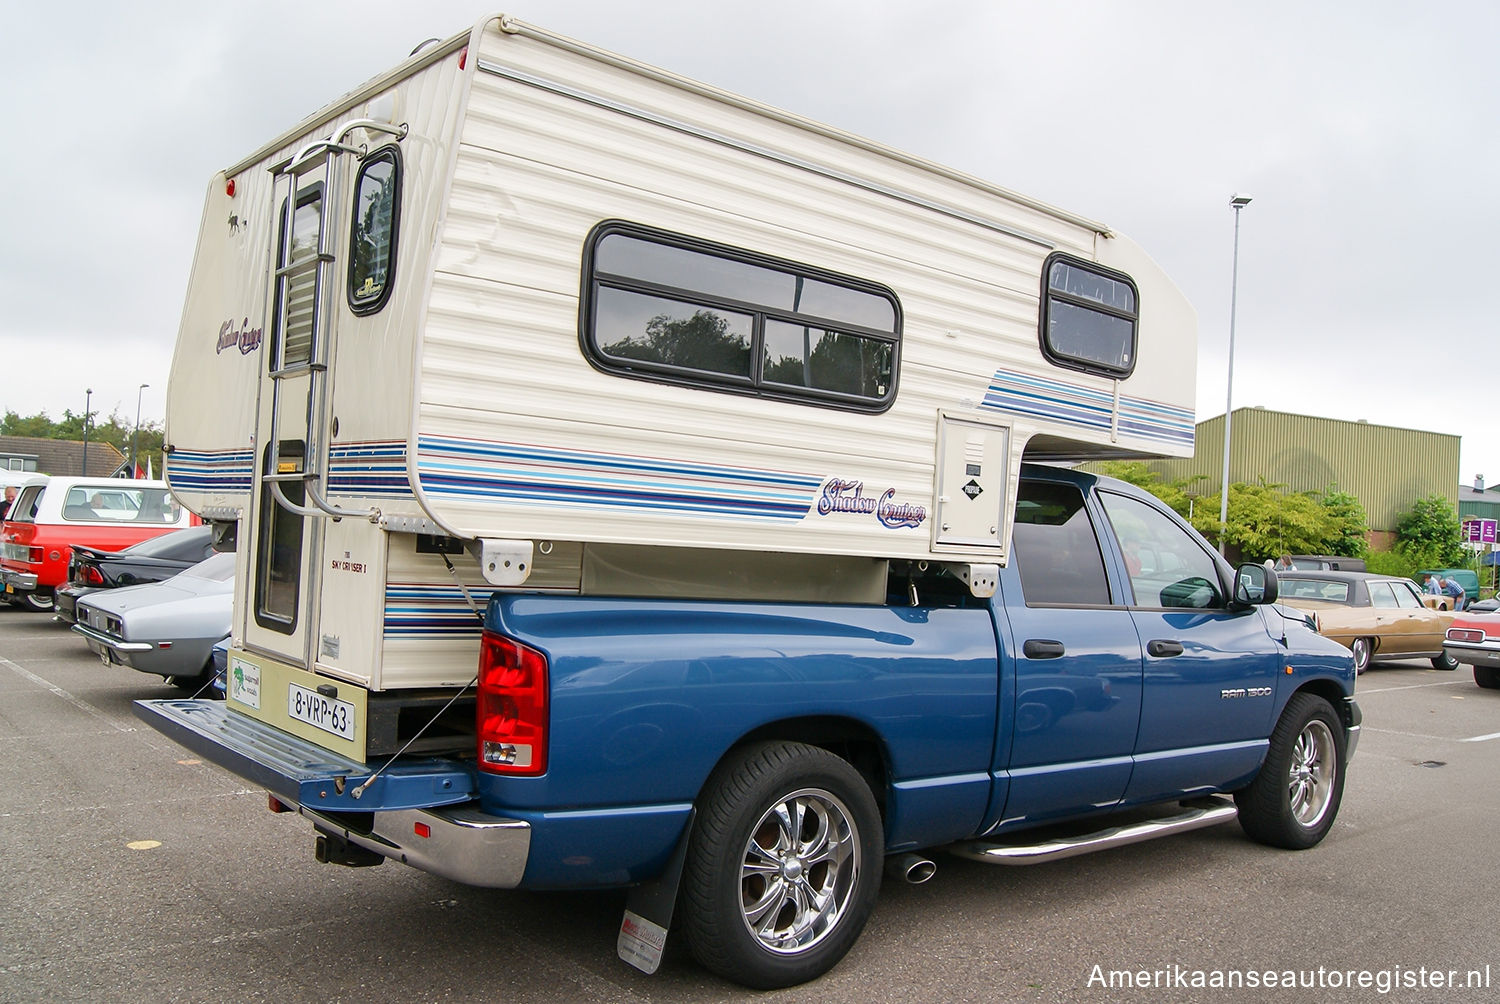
x: 88, y: 395
x: 135, y: 462
x: 1238, y: 202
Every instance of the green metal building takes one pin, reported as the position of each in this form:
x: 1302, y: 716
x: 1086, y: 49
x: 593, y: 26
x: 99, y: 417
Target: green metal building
x: 1385, y: 467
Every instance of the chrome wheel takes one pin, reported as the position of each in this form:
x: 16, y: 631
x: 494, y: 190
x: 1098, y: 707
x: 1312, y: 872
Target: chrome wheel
x: 1361, y: 649
x: 800, y: 868
x: 1314, y: 767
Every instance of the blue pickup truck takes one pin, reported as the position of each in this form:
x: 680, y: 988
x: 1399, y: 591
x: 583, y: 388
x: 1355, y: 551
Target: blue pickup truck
x: 750, y: 769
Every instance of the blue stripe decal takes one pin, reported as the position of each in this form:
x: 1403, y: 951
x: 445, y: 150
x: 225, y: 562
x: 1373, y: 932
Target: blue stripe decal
x: 210, y: 471
x: 418, y: 611
x: 1058, y: 401
x: 464, y: 468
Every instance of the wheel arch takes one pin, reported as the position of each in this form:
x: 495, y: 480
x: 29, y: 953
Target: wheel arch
x: 849, y: 739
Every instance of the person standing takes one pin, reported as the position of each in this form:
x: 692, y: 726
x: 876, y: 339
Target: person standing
x: 1453, y: 589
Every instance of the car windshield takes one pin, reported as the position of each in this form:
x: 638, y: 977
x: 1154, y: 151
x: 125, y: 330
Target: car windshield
x: 1315, y: 589
x: 218, y: 568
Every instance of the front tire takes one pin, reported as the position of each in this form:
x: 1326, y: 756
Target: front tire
x: 1361, y: 648
x: 1487, y: 677
x: 1293, y: 800
x: 1445, y: 662
x: 784, y: 865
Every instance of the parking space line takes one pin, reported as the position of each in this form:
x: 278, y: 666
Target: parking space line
x: 1483, y: 739
x: 1361, y: 691
x: 77, y: 702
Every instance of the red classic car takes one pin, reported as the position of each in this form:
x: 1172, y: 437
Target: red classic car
x: 49, y: 517
x: 1475, y: 639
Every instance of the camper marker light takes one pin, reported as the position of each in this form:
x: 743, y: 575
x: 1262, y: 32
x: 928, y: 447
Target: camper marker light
x: 229, y: 188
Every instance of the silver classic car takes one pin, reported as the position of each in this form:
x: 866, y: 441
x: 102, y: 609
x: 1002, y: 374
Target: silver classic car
x: 167, y: 628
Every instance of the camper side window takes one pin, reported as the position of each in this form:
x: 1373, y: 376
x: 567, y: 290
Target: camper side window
x: 671, y: 308
x: 1088, y: 317
x: 372, y: 242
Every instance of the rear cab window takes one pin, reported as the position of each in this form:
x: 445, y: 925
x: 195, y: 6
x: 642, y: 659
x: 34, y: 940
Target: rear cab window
x: 110, y: 504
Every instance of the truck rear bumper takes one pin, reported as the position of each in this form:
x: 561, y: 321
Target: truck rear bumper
x: 420, y: 811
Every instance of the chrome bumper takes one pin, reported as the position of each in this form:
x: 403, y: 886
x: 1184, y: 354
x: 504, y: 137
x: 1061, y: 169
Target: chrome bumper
x: 99, y: 640
x: 21, y: 582
x: 461, y: 842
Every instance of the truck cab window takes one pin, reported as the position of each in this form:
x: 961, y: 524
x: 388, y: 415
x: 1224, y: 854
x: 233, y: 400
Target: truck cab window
x: 1056, y: 549
x: 1167, y: 567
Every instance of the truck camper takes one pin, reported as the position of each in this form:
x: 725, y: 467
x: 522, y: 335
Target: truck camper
x: 525, y: 347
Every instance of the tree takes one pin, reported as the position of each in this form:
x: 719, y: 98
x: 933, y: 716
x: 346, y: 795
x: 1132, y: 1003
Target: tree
x: 1138, y: 473
x: 1347, y: 524
x: 1428, y: 533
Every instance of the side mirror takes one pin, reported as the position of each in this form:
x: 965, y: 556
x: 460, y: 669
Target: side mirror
x: 1254, y: 585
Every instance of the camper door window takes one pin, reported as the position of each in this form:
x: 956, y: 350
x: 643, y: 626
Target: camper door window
x: 301, y: 285
x: 372, y: 241
x: 1088, y: 317
x: 671, y: 308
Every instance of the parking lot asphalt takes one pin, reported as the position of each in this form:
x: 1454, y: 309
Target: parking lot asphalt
x: 133, y: 871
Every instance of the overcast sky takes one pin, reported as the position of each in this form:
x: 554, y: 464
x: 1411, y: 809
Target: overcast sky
x: 1366, y: 132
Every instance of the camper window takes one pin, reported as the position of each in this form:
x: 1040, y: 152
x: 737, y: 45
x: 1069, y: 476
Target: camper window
x: 1088, y: 317
x: 670, y: 308
x: 372, y: 242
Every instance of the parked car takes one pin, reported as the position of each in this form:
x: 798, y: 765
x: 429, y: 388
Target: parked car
x: 1376, y: 617
x: 1488, y: 606
x: 167, y: 628
x: 1327, y: 563
x: 151, y: 560
x: 50, y: 517
x: 1474, y: 639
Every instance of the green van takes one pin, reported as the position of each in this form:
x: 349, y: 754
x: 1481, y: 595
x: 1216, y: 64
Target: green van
x: 1463, y: 576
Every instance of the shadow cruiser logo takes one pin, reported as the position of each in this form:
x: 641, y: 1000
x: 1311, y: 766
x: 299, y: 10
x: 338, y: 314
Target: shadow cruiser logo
x: 246, y: 337
x: 849, y: 497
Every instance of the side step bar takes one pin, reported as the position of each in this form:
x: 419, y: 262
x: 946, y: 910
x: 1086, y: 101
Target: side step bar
x: 1199, y: 813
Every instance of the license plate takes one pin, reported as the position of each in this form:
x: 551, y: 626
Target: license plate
x: 329, y: 714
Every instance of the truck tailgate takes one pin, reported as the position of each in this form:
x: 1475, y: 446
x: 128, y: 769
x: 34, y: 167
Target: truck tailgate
x: 300, y: 772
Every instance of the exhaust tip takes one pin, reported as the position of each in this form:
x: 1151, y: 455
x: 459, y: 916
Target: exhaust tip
x: 910, y: 868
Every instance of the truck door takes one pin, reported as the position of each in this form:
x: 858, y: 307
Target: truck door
x: 1077, y: 662
x: 1210, y: 671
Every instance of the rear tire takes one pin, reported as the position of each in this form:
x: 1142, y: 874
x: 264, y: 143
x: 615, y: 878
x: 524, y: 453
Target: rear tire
x: 1445, y: 662
x: 1361, y: 647
x: 1487, y: 677
x: 38, y: 601
x: 1294, y: 799
x: 784, y: 865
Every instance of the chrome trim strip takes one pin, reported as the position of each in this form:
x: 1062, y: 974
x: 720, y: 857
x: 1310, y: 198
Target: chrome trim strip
x: 113, y: 644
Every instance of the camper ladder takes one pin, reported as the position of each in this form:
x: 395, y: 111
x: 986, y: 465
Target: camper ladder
x: 305, y: 282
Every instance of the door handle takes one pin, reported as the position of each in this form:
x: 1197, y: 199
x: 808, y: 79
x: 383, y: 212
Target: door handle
x: 1042, y: 648
x: 1163, y: 649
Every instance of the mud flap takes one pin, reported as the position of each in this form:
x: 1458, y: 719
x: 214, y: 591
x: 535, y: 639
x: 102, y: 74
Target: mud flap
x: 648, y: 910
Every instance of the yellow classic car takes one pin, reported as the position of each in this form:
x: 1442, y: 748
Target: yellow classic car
x: 1375, y: 616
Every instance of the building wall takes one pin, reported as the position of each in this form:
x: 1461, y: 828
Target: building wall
x: 1385, y: 467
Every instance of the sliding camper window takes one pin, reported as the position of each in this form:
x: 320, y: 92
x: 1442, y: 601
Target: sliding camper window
x: 1088, y: 317
x: 301, y: 283
x: 665, y: 307
x: 372, y: 239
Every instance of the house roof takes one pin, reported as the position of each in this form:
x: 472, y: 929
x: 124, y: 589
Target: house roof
x: 64, y: 456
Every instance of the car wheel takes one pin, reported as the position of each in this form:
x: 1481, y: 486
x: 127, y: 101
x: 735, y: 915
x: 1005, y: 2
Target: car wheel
x: 39, y: 601
x: 1293, y: 800
x: 784, y: 865
x: 1487, y: 677
x: 1361, y: 649
x: 1445, y: 661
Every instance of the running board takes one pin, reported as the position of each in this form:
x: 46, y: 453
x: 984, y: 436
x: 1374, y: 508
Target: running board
x: 1199, y: 813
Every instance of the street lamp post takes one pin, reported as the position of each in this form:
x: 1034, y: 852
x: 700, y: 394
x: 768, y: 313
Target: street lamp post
x: 135, y: 460
x: 88, y: 395
x: 1238, y: 202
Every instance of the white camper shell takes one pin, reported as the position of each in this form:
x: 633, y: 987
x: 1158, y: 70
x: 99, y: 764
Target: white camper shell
x: 609, y: 330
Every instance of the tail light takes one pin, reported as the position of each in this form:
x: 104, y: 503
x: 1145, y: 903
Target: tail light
x: 1466, y: 635
x: 511, y: 709
x: 87, y: 575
